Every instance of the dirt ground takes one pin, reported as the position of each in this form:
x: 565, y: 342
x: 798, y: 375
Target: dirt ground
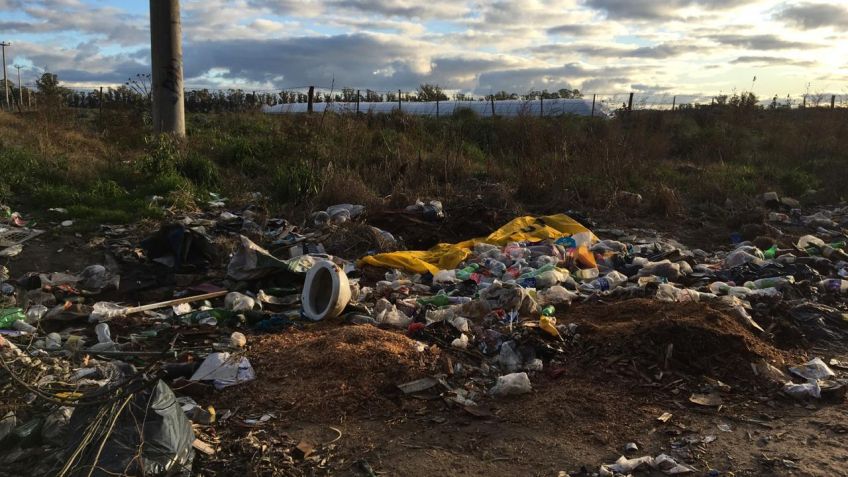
x: 333, y: 388
x: 327, y: 401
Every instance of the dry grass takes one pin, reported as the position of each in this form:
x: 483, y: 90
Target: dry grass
x: 299, y: 163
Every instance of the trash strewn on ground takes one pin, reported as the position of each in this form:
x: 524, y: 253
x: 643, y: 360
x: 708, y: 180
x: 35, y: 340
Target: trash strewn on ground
x: 142, y: 347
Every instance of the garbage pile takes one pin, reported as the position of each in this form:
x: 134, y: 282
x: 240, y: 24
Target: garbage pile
x: 86, y: 354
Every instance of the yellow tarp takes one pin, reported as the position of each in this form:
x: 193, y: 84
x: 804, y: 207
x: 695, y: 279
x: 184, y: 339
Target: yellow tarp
x: 445, y: 256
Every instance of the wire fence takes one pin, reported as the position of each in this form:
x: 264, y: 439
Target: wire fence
x: 423, y: 101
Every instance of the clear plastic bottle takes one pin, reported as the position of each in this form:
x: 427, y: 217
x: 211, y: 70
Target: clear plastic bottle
x: 609, y: 281
x: 495, y: 267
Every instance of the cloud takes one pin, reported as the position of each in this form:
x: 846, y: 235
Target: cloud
x: 809, y: 16
x: 660, y: 51
x: 113, y: 24
x: 653, y: 10
x: 772, y: 61
x: 760, y: 42
x: 467, y: 45
x: 573, y: 30
x: 403, y: 8
x: 9, y: 4
x: 363, y: 60
x: 569, y: 76
x: 648, y: 88
x: 82, y: 63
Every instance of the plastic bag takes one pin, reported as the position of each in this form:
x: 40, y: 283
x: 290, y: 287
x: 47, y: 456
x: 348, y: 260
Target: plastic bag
x: 386, y: 313
x: 461, y: 342
x: 251, y: 262
x: 512, y: 384
x: 236, y: 301
x: 151, y: 436
x: 803, y: 391
x: 813, y: 369
x: 555, y: 295
x: 224, y: 370
x: 508, y: 358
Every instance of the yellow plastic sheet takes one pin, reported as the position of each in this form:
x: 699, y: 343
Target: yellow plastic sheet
x: 446, y: 256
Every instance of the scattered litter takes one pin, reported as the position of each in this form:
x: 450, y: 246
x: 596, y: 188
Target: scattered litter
x: 708, y: 400
x: 511, y: 384
x: 224, y: 370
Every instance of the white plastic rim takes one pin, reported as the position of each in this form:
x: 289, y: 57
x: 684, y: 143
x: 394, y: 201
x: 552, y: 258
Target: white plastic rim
x: 326, y: 291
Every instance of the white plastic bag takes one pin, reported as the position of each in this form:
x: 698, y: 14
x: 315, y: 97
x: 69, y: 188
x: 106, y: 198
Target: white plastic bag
x: 512, y: 384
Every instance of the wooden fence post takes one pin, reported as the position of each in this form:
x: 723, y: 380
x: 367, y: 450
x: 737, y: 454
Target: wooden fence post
x: 357, y: 101
x: 101, y: 105
x: 309, y: 98
x: 594, y: 97
x: 832, y: 101
x: 541, y: 106
x: 673, y: 103
x: 493, y: 106
x: 437, y: 106
x: 630, y: 103
x: 399, y: 103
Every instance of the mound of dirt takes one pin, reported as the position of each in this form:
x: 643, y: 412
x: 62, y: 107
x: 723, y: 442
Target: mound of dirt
x: 704, y: 340
x: 329, y: 371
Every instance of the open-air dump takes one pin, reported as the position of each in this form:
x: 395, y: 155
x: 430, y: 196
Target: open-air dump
x: 228, y: 341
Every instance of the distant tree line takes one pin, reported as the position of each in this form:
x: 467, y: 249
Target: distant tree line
x: 137, y: 92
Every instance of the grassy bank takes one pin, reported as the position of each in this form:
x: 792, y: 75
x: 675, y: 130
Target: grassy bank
x: 106, y: 170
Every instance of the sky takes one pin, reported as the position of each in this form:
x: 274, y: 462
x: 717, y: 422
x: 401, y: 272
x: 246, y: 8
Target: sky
x: 697, y: 47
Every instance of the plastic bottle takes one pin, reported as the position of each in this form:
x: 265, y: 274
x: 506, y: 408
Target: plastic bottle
x: 495, y: 267
x: 35, y: 313
x: 719, y: 288
x: 22, y: 325
x: 608, y: 282
x: 103, y: 333
x: 833, y: 252
x: 11, y: 315
x: 587, y: 274
x: 834, y: 285
x: 549, y: 278
x: 770, y: 253
x: 516, y: 250
x: 810, y: 241
x: 773, y: 282
x: 465, y: 273
x: 439, y: 299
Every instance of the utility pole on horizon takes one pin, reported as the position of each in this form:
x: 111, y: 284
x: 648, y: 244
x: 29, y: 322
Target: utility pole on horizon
x: 166, y: 51
x: 20, y: 88
x: 5, y: 81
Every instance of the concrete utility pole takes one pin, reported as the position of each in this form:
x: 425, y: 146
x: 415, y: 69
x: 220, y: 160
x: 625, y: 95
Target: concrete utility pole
x: 5, y: 83
x: 20, y: 88
x: 166, y: 50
